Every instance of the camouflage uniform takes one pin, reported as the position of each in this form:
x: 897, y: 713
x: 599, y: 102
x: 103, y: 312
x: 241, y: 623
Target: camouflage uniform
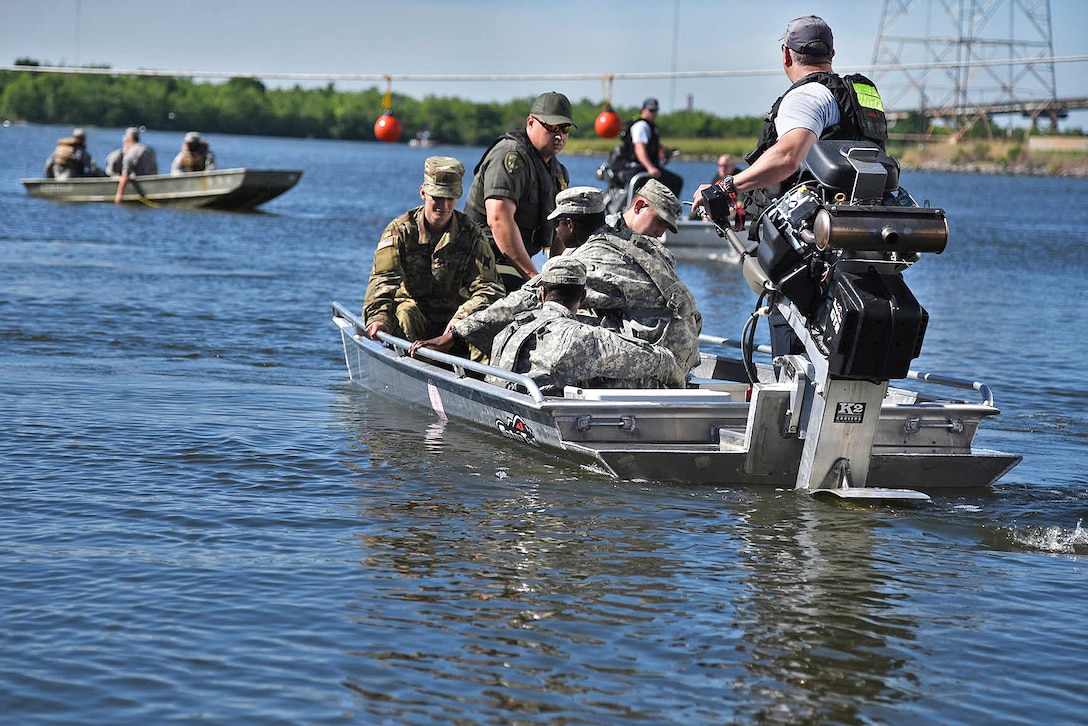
x: 631, y: 285
x: 555, y: 349
x: 70, y: 160
x: 417, y: 285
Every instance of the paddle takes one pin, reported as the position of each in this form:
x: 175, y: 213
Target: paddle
x: 139, y: 194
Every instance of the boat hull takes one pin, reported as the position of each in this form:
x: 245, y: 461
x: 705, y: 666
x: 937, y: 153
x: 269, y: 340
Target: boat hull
x: 695, y: 239
x: 236, y: 189
x: 708, y: 435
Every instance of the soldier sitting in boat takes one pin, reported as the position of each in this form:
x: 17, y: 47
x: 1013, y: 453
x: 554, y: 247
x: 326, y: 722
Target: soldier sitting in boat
x: 194, y: 155
x: 71, y: 159
x: 631, y: 286
x: 136, y: 159
x: 433, y: 265
x: 555, y: 348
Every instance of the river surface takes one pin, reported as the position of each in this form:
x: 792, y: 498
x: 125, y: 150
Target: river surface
x: 203, y: 520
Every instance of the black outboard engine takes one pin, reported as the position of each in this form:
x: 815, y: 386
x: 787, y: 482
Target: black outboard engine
x: 835, y: 246
x: 830, y: 260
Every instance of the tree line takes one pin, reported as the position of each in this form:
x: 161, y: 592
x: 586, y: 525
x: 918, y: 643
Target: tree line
x: 247, y: 106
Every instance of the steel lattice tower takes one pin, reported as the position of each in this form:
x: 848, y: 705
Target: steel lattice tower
x: 972, y: 59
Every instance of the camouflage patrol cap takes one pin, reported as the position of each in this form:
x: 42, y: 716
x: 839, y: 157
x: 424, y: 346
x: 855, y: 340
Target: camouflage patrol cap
x: 79, y: 133
x: 665, y: 202
x: 578, y: 201
x: 442, y: 177
x: 563, y: 270
x: 552, y: 108
x: 193, y: 137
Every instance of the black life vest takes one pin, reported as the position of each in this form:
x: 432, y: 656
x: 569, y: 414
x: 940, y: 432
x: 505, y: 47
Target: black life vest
x: 653, y: 146
x: 861, y: 116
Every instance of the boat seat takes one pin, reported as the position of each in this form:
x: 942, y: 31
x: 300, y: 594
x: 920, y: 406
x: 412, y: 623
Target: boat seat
x: 648, y: 395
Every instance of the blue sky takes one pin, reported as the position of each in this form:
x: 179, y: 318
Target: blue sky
x: 488, y: 37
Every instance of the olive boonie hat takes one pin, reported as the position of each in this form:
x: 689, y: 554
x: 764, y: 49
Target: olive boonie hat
x: 563, y: 270
x: 442, y: 177
x: 665, y: 202
x: 552, y: 108
x: 810, y: 35
x: 578, y: 201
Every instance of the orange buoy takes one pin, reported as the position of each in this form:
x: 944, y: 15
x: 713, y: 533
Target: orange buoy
x: 387, y: 128
x: 608, y: 123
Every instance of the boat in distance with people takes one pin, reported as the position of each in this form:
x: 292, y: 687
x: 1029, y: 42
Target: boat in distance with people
x: 231, y: 189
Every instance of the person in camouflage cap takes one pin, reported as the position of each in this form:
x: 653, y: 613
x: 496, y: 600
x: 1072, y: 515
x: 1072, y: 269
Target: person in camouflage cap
x: 550, y: 345
x: 514, y: 186
x: 433, y: 265
x: 631, y: 280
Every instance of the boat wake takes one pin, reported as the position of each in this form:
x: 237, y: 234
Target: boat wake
x: 1052, y: 539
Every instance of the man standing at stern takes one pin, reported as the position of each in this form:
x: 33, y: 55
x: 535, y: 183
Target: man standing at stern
x: 514, y: 186
x: 433, y: 265
x: 819, y: 105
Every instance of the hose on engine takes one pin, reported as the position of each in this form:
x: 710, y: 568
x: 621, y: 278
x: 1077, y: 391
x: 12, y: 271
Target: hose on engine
x: 748, y: 339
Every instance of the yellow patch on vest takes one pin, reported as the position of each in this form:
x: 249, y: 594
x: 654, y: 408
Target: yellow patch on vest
x: 868, y: 96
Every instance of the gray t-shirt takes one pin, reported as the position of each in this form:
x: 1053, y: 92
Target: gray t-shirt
x: 810, y: 106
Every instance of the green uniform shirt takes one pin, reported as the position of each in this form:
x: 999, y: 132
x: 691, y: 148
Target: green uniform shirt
x: 507, y: 171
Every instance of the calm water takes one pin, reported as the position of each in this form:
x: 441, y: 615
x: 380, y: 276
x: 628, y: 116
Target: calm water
x: 203, y: 520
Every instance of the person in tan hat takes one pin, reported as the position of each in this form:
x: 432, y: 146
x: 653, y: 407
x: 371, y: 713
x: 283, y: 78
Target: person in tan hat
x: 136, y: 159
x: 514, y: 186
x: 632, y: 286
x: 433, y: 265
x: 195, y: 155
x: 578, y: 213
x: 71, y: 159
x: 550, y: 345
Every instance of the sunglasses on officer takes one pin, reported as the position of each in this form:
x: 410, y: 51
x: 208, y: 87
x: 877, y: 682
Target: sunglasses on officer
x: 554, y: 128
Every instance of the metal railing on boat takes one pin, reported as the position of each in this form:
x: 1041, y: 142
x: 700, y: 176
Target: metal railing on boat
x: 458, y: 364
x: 934, y: 378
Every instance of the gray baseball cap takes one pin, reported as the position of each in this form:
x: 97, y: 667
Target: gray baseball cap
x: 563, y: 270
x: 650, y: 104
x: 578, y: 201
x: 665, y: 202
x: 442, y: 177
x: 810, y: 35
x: 552, y: 108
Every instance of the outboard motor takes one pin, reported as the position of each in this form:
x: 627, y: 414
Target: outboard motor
x: 830, y: 258
x: 835, y: 246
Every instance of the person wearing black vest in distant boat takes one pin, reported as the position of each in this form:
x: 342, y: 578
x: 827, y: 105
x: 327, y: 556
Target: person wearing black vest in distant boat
x: 644, y: 148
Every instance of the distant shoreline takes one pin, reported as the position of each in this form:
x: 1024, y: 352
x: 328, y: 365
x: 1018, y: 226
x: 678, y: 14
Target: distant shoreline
x: 1040, y: 156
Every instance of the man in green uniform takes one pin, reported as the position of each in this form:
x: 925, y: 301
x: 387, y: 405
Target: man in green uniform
x: 433, y: 265
x: 514, y: 186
